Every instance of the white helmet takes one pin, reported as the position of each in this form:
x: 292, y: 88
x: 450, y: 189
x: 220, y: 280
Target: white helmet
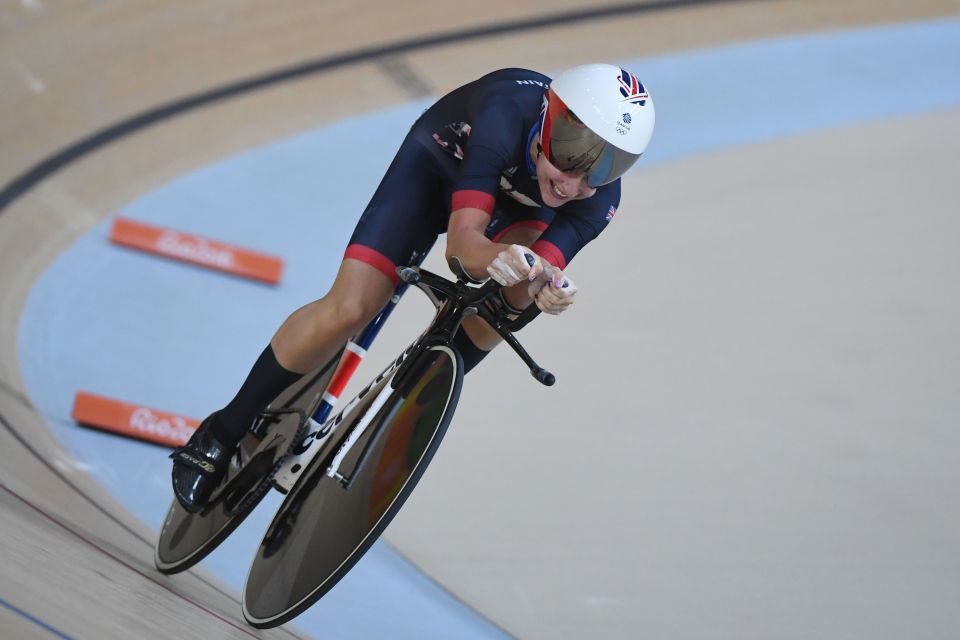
x: 598, y: 119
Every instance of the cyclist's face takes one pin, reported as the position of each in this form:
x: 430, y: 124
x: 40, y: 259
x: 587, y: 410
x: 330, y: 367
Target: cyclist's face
x: 558, y: 187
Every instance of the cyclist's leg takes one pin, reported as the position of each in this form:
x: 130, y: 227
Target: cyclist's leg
x: 315, y: 332
x: 311, y: 335
x: 402, y: 220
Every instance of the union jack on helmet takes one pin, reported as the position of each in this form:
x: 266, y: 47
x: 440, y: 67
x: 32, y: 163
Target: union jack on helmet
x: 598, y: 120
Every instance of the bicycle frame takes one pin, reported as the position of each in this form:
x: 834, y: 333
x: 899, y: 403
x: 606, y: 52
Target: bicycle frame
x: 377, y: 446
x: 353, y: 353
x: 459, y: 301
x: 368, y: 458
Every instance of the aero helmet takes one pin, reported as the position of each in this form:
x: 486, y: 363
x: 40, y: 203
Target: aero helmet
x: 598, y: 119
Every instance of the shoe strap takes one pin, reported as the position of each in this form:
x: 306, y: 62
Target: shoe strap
x: 190, y: 458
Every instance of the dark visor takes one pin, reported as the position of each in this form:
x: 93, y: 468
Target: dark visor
x: 573, y: 148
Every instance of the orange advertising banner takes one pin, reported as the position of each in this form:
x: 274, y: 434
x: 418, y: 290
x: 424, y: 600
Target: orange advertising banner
x: 132, y: 420
x: 197, y: 250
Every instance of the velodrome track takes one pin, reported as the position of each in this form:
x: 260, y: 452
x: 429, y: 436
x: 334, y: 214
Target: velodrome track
x: 751, y: 436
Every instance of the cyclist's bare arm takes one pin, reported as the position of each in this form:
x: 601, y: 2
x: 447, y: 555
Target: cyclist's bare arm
x: 482, y: 258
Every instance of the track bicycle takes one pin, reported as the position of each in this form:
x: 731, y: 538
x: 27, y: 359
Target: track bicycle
x: 345, y: 477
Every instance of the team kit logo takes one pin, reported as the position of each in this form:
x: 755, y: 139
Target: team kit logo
x: 632, y: 89
x: 633, y: 92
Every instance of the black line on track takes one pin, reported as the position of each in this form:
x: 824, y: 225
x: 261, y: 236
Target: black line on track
x: 54, y: 163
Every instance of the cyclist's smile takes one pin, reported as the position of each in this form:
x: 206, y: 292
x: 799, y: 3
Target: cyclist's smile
x: 558, y: 187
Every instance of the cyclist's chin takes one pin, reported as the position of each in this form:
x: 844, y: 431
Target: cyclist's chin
x: 549, y: 197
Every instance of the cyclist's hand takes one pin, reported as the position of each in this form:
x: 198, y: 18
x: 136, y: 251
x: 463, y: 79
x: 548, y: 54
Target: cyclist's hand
x: 556, y: 294
x: 515, y: 264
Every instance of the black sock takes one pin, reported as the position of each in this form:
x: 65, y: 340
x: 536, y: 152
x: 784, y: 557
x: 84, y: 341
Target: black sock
x: 471, y: 353
x: 265, y: 382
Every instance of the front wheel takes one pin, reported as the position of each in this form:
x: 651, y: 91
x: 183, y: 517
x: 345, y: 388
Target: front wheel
x: 345, y: 499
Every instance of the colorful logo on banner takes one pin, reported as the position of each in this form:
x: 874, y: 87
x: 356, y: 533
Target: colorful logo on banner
x: 132, y: 420
x: 196, y: 250
x: 631, y: 89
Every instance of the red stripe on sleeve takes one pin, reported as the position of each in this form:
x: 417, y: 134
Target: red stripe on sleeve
x: 465, y: 198
x: 375, y: 259
x: 550, y: 252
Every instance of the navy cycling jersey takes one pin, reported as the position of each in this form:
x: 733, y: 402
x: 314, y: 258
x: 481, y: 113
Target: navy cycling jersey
x: 471, y: 149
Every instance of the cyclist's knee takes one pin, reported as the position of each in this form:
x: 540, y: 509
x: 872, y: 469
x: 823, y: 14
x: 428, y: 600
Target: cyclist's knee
x: 351, y: 313
x: 481, y: 334
x: 469, y: 351
x: 331, y: 317
x: 357, y: 295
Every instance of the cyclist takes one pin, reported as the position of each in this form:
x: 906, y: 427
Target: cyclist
x: 520, y: 172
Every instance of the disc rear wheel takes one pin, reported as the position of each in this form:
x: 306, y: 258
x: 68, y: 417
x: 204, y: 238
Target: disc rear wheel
x: 346, y: 498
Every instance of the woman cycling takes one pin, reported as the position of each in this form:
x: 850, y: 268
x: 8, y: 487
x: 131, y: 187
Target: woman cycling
x: 519, y: 171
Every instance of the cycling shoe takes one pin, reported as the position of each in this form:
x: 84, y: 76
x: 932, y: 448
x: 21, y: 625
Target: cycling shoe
x: 199, y: 467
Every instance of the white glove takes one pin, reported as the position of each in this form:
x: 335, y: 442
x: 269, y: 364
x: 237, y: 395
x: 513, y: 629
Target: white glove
x: 515, y: 264
x: 556, y: 291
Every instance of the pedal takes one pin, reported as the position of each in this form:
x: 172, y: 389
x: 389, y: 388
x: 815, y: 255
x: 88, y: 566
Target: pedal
x: 266, y: 419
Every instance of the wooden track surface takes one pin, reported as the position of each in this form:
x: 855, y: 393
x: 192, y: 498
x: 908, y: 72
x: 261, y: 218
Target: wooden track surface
x: 72, y: 557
